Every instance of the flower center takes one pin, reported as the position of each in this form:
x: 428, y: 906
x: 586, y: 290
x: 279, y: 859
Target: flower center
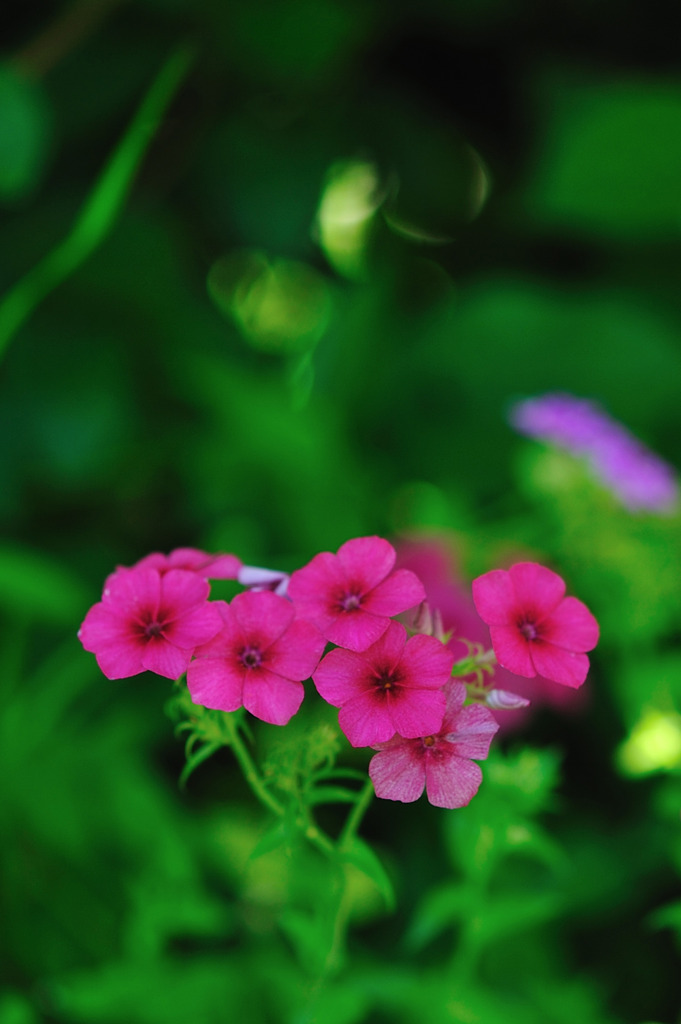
x: 350, y: 602
x: 251, y: 657
x: 529, y: 630
x: 153, y: 629
x: 428, y: 741
x: 387, y: 679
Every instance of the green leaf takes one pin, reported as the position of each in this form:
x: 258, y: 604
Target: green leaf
x: 102, y: 206
x: 442, y: 907
x: 278, y: 835
x: 195, y: 759
x: 305, y: 934
x: 360, y: 854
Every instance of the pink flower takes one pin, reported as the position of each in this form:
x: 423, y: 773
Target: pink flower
x: 534, y: 627
x: 440, y: 762
x: 149, y: 621
x: 211, y: 567
x: 258, y: 659
x: 393, y: 686
x: 351, y: 596
x: 433, y: 562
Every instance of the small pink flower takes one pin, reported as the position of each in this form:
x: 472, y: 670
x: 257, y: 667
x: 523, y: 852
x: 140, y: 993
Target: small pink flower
x: 258, y: 659
x: 440, y: 762
x: 211, y: 567
x: 393, y: 686
x: 352, y: 595
x: 534, y: 627
x: 146, y: 621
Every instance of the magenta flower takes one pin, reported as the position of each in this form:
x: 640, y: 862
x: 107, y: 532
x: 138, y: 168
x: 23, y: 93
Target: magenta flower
x: 534, y: 627
x: 146, y: 621
x: 258, y: 659
x: 352, y: 595
x: 211, y: 567
x: 393, y: 686
x: 440, y: 762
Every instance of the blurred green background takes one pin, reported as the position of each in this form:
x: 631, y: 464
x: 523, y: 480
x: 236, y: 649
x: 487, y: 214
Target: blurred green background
x: 272, y: 273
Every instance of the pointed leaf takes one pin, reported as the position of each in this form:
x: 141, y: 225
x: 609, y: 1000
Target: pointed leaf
x: 360, y: 854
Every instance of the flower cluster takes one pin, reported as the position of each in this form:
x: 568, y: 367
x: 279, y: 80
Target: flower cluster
x: 398, y: 689
x: 636, y: 476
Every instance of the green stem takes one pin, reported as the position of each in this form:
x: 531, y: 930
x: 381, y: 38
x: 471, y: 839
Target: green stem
x: 305, y: 822
x: 354, y: 818
x: 248, y: 768
x: 101, y: 208
x: 343, y: 907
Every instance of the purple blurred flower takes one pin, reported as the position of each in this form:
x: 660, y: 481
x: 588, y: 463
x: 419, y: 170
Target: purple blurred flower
x: 636, y: 476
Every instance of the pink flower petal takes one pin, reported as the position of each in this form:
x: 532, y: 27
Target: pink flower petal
x: 512, y: 650
x: 355, y: 630
x: 180, y: 591
x: 271, y: 698
x: 134, y: 592
x: 223, y: 567
x: 296, y: 654
x: 164, y: 659
x: 153, y: 561
x: 451, y: 781
x: 415, y: 712
x: 312, y: 588
x: 262, y: 616
x: 214, y: 567
x: 386, y: 653
x: 342, y: 675
x: 103, y: 625
x: 365, y: 719
x: 401, y: 590
x: 398, y: 773
x: 187, y: 558
x: 215, y: 683
x: 471, y: 732
x: 571, y: 626
x: 558, y: 664
x: 537, y: 588
x: 456, y: 694
x: 426, y: 662
x: 122, y: 659
x: 366, y: 561
x: 494, y: 598
x: 227, y: 638
x: 195, y: 627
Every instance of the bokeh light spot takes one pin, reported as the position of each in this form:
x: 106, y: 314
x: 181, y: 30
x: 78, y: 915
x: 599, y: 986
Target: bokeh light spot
x: 654, y: 744
x: 349, y: 201
x: 278, y: 306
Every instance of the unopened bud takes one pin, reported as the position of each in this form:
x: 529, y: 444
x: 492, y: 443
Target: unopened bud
x: 263, y: 579
x: 502, y: 700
